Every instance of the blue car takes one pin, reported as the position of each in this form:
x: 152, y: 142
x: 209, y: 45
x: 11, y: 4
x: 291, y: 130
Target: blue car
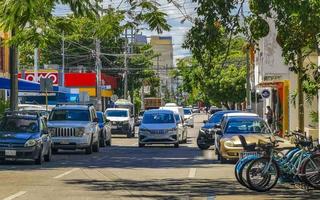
x: 105, y: 130
x: 24, y: 137
x: 205, y: 137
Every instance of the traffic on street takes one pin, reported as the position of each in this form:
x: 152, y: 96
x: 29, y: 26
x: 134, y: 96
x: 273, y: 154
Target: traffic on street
x: 160, y: 99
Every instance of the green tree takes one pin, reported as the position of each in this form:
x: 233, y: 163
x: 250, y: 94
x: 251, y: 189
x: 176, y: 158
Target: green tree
x: 297, y: 23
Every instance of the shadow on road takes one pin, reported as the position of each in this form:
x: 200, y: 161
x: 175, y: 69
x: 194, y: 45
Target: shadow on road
x: 177, y: 188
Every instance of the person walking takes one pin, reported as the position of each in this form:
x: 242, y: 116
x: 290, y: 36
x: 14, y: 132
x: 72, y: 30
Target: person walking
x: 269, y: 115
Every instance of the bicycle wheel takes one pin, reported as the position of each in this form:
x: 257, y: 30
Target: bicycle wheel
x: 310, y: 171
x: 262, y: 175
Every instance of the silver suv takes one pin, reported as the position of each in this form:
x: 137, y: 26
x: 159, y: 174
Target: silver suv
x: 74, y: 127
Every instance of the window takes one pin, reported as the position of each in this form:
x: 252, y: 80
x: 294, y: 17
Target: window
x: 117, y: 113
x: 247, y: 126
x: 19, y: 125
x: 158, y: 118
x: 187, y: 111
x: 70, y: 115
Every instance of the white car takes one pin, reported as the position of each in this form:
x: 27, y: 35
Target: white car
x: 122, y: 122
x: 158, y: 127
x: 188, y: 117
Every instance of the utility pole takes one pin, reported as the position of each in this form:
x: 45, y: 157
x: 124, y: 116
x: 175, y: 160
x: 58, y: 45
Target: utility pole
x: 36, y: 65
x: 248, y: 85
x: 126, y: 66
x: 13, y: 76
x: 158, y: 71
x: 63, y: 61
x: 98, y: 73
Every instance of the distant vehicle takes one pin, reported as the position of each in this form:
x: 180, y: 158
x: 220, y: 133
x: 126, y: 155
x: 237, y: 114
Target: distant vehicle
x: 195, y: 109
x: 73, y: 127
x: 188, y: 117
x: 158, y: 127
x: 253, y: 128
x: 124, y: 103
x: 122, y: 122
x: 182, y: 128
x: 139, y: 118
x: 214, y: 109
x: 206, y: 134
x: 170, y: 105
x: 24, y: 136
x: 152, y: 103
x: 105, y: 130
x: 41, y: 109
x: 175, y: 109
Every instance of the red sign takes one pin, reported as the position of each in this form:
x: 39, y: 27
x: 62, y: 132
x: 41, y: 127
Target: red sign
x: 80, y: 79
x: 30, y: 76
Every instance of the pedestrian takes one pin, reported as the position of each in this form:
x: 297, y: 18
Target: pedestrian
x: 269, y: 115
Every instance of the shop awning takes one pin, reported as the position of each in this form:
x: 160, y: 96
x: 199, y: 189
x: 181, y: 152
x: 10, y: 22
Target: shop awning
x: 30, y: 86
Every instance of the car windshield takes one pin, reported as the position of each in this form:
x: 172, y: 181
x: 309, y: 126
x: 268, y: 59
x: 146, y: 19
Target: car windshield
x: 100, y: 117
x: 158, y: 118
x: 187, y: 111
x: 69, y: 115
x: 19, y: 125
x: 117, y: 113
x: 216, y: 118
x: 247, y: 126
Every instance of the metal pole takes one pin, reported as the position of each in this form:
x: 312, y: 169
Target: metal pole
x: 63, y: 60
x: 98, y: 73
x: 158, y: 71
x: 36, y: 67
x: 248, y: 86
x: 13, y: 76
x: 126, y: 66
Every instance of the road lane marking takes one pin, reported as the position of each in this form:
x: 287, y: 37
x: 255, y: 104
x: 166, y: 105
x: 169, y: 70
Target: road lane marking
x: 65, y: 173
x: 18, y: 194
x: 192, y: 172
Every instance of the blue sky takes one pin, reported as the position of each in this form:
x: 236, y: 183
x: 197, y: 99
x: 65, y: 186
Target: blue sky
x: 174, y: 18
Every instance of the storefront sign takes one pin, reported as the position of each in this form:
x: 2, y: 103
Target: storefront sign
x: 30, y: 76
x: 265, y: 93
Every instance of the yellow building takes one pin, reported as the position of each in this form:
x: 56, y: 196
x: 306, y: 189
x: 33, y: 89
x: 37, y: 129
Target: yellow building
x: 4, y: 55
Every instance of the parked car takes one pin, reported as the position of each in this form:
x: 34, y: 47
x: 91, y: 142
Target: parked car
x: 74, y: 126
x: 139, y: 118
x: 105, y: 130
x: 214, y: 109
x: 188, y: 117
x: 206, y: 134
x: 122, y: 122
x: 158, y: 127
x: 182, y: 128
x: 254, y: 129
x: 24, y: 136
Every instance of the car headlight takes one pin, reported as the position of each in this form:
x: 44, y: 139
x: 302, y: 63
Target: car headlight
x: 31, y: 143
x: 228, y: 143
x: 80, y: 131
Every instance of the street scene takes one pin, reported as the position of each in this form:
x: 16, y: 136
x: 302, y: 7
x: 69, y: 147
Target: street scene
x: 166, y: 99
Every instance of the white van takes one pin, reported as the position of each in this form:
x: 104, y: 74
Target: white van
x: 179, y: 115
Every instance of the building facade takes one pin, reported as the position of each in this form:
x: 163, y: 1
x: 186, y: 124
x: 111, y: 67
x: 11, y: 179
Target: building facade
x: 273, y: 75
x: 4, y: 61
x: 163, y: 63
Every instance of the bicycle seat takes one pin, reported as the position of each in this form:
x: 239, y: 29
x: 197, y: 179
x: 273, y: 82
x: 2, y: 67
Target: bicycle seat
x: 246, y: 146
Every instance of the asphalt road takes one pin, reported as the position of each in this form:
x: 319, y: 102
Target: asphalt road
x: 125, y: 171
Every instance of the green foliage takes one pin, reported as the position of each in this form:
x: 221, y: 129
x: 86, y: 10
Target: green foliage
x: 259, y: 27
x: 314, y: 117
x: 3, y: 106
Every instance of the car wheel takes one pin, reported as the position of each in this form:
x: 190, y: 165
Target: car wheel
x: 95, y: 147
x: 54, y: 151
x: 48, y: 157
x: 129, y: 134
x: 102, y: 141
x: 202, y: 145
x: 141, y: 145
x: 108, y: 142
x: 89, y: 149
x: 39, y: 160
x: 176, y: 145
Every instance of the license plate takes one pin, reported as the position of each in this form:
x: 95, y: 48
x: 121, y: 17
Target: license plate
x: 64, y: 142
x: 10, y: 153
x: 250, y: 153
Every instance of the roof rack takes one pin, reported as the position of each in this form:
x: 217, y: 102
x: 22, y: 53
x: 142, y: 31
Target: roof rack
x: 74, y: 103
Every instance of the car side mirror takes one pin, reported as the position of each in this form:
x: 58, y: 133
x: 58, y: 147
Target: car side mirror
x: 205, y: 121
x: 217, y: 126
x: 96, y: 120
